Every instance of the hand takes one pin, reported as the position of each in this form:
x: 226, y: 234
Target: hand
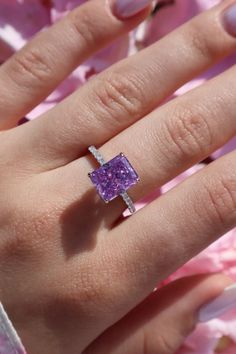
x: 72, y: 278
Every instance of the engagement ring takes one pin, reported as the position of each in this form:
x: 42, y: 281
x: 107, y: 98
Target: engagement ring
x: 114, y: 178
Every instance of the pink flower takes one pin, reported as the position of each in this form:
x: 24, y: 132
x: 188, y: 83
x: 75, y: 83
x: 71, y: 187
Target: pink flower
x: 20, y: 20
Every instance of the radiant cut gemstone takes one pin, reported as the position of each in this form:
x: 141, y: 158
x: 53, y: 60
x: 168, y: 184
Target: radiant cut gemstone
x: 114, y: 178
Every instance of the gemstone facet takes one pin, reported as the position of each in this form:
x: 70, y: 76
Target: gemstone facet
x: 114, y: 178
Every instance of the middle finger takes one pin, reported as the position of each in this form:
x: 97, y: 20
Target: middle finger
x: 178, y: 135
x: 171, y: 139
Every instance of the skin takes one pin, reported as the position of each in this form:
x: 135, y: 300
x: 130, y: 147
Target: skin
x: 74, y: 277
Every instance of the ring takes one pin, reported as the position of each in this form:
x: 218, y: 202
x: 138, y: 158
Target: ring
x: 114, y: 178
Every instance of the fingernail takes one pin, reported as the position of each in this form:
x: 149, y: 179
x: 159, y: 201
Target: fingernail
x: 229, y: 20
x: 128, y: 8
x: 219, y: 306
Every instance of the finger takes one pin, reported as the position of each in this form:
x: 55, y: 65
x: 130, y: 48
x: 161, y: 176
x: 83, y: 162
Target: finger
x: 177, y: 135
x: 174, y: 228
x: 167, y: 141
x: 126, y: 92
x: 161, y: 322
x: 32, y: 73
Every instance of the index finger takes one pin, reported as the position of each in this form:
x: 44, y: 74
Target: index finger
x: 35, y: 71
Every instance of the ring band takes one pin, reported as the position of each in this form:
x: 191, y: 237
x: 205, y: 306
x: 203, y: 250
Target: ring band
x: 114, y: 178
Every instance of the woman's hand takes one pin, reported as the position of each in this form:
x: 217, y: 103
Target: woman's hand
x: 68, y: 269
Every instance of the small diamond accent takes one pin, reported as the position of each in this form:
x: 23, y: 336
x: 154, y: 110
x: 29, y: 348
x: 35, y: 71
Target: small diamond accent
x: 128, y: 201
x: 97, y: 155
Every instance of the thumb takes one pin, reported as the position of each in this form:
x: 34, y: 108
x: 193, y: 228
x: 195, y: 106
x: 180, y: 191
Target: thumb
x: 161, y: 323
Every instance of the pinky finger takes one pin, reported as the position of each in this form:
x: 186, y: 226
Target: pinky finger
x: 162, y: 322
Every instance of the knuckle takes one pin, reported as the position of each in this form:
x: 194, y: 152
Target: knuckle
x: 165, y: 346
x: 161, y: 345
x: 34, y: 64
x: 203, y: 45
x: 188, y: 132
x: 16, y: 248
x: 222, y: 199
x: 82, y: 24
x: 30, y: 228
x: 119, y: 95
x: 20, y: 247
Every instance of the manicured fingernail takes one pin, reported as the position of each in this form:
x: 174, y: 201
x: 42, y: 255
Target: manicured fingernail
x: 229, y: 20
x: 128, y: 8
x: 219, y: 306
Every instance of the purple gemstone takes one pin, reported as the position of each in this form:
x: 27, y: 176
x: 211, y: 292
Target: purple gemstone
x: 114, y: 178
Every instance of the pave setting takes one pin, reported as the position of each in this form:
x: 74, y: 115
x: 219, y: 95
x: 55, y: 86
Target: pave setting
x: 114, y: 178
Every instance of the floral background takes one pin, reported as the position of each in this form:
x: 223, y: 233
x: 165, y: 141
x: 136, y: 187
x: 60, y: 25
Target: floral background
x: 21, y: 19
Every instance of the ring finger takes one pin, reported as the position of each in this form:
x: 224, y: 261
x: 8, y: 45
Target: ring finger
x: 176, y: 136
